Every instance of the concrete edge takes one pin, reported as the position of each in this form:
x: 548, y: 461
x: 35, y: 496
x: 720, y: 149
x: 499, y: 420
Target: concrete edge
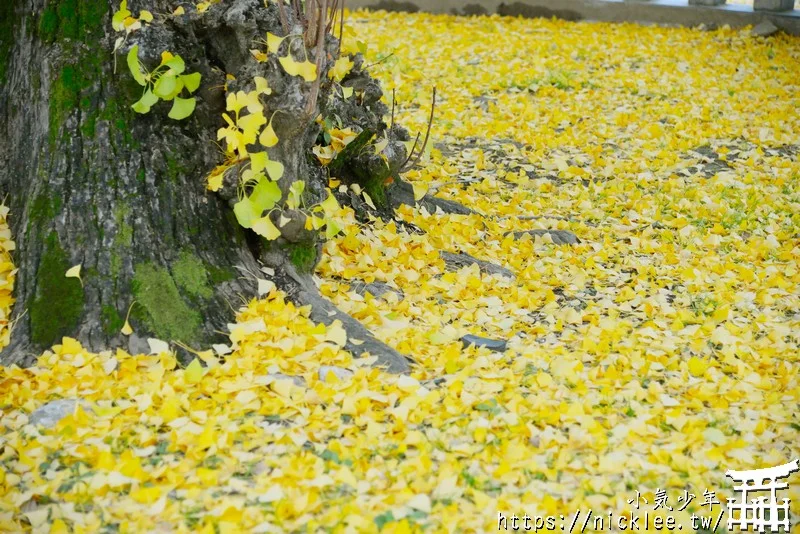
x: 662, y: 12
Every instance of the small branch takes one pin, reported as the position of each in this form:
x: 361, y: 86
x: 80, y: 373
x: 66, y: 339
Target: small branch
x: 332, y: 16
x: 381, y: 60
x: 410, y: 154
x: 427, y: 135
x: 341, y: 30
x: 391, y: 124
x: 312, y: 99
x: 284, y: 18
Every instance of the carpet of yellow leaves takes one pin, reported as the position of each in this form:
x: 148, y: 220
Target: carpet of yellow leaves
x: 658, y: 353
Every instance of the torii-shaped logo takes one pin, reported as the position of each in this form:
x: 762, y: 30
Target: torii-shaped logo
x: 756, y: 512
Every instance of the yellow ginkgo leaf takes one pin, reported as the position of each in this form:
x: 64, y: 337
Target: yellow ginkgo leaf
x: 368, y: 200
x: 214, y: 183
x: 268, y: 138
x: 305, y: 69
x: 420, y: 190
x: 262, y: 87
x: 126, y: 329
x: 330, y: 206
x: 697, y: 366
x: 274, y: 42
x: 74, y: 272
x: 336, y: 333
x: 258, y: 55
x: 341, y: 68
x: 264, y: 227
x: 193, y: 372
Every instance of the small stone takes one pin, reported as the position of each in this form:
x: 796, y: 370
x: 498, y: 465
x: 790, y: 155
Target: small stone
x: 340, y: 372
x: 138, y: 345
x: 51, y: 413
x: 559, y: 237
x: 764, y: 28
x: 299, y: 381
x: 495, y: 345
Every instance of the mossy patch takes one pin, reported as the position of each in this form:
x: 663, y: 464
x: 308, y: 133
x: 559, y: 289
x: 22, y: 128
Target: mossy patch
x: 48, y: 24
x: 42, y: 210
x: 71, y: 22
x: 174, y: 167
x: 112, y: 320
x: 7, y: 20
x: 219, y: 275
x: 124, y: 236
x: 376, y: 189
x: 191, y: 276
x: 64, y: 99
x: 303, y: 256
x: 58, y: 305
x: 161, y: 307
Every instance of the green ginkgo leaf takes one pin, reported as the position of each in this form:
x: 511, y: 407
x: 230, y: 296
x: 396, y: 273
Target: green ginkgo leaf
x: 191, y: 81
x: 145, y: 103
x: 165, y: 86
x: 295, y: 194
x: 331, y: 228
x: 245, y: 212
x: 265, y: 195
x: 176, y: 64
x: 135, y: 68
x: 274, y: 169
x: 182, y: 108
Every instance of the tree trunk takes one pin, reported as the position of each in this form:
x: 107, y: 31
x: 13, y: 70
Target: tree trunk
x: 90, y: 182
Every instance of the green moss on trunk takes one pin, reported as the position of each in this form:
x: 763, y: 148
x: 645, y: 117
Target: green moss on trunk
x: 7, y: 21
x: 190, y: 275
x: 303, y: 256
x: 161, y: 307
x: 219, y: 275
x: 112, y: 320
x: 71, y: 23
x: 58, y: 305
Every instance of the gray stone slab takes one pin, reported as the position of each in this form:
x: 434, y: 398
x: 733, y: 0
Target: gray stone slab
x: 666, y: 12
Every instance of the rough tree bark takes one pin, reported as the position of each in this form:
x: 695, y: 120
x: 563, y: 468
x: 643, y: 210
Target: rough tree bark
x: 91, y: 182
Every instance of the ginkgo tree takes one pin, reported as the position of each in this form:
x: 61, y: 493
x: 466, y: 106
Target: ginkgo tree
x: 173, y: 155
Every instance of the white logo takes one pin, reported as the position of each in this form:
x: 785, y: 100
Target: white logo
x: 757, y: 512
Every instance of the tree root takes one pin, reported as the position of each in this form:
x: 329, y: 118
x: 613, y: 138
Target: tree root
x: 559, y: 237
x: 376, y: 288
x: 401, y: 192
x: 455, y: 261
x: 301, y: 290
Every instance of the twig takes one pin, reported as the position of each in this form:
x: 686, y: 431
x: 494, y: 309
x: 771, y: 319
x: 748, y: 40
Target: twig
x: 284, y: 19
x: 427, y: 134
x: 378, y: 62
x: 391, y: 123
x: 332, y: 18
x: 410, y: 154
x: 341, y: 30
x: 312, y: 101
